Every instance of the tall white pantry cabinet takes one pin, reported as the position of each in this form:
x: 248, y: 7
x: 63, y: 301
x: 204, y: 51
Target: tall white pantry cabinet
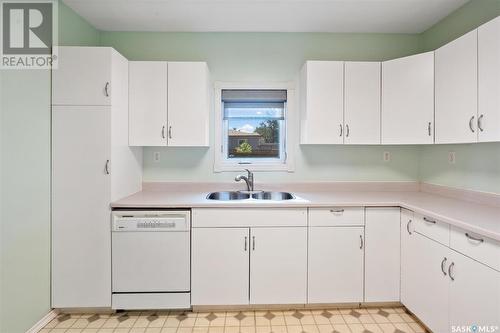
x: 92, y: 165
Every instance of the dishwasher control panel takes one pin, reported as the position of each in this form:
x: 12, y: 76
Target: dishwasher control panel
x: 151, y: 221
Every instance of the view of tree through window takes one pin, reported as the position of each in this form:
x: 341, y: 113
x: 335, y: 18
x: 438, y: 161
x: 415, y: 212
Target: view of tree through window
x: 254, y: 123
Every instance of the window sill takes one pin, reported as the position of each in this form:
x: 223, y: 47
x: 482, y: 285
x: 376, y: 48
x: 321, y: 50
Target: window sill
x: 224, y: 167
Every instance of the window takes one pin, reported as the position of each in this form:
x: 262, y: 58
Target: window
x: 252, y: 129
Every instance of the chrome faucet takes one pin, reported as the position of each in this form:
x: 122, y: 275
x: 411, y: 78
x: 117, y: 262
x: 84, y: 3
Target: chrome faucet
x: 248, y: 179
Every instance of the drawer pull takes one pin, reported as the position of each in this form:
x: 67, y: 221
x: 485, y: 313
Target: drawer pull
x: 442, y: 266
x: 429, y: 220
x: 336, y: 211
x: 480, y: 240
x: 450, y: 271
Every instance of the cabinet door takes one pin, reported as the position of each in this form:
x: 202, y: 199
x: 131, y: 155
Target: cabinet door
x: 408, y: 100
x: 431, y: 283
x: 322, y: 102
x: 410, y: 295
x: 81, y: 243
x: 456, y: 90
x: 278, y: 265
x: 220, y: 266
x: 362, y: 103
x: 334, y: 278
x: 489, y: 81
x: 148, y: 103
x: 188, y: 103
x: 474, y: 293
x: 382, y: 254
x: 83, y: 76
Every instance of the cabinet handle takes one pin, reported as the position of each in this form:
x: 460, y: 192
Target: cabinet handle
x: 253, y: 243
x: 341, y: 130
x: 480, y: 240
x: 408, y: 227
x: 246, y: 242
x: 347, y: 130
x: 106, y: 92
x: 336, y: 211
x: 106, y: 167
x: 442, y: 266
x: 163, y: 132
x: 361, y: 242
x: 429, y: 128
x: 426, y: 219
x: 480, y: 122
x: 170, y: 132
x: 450, y: 271
x: 470, y: 124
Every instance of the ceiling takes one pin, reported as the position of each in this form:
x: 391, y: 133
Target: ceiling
x: 382, y: 16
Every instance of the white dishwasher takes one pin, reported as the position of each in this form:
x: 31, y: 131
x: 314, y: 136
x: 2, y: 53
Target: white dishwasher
x: 151, y: 259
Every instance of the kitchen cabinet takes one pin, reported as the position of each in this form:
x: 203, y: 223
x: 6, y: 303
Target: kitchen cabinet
x: 382, y: 254
x: 410, y: 295
x: 220, y: 266
x: 148, y: 103
x: 83, y: 76
x: 169, y: 103
x: 92, y: 165
x: 278, y: 265
x: 362, y: 103
x: 322, y: 102
x: 456, y: 90
x: 237, y: 261
x: 408, y: 100
x: 334, y: 278
x: 489, y: 81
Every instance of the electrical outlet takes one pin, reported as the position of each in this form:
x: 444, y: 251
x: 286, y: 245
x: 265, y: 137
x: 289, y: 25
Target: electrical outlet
x: 387, y: 156
x: 451, y: 157
x: 156, y: 156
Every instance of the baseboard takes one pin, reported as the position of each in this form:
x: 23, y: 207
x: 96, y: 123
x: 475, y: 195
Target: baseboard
x: 43, y: 322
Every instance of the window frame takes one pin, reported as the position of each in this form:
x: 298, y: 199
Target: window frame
x: 221, y: 162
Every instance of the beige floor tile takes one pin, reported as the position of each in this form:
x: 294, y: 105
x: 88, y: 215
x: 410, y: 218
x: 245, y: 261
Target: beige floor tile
x: 97, y: 323
x: 53, y: 323
x: 58, y: 330
x: 325, y: 328
x: 247, y: 329
x: 90, y: 330
x: 389, y: 310
x: 219, y: 321
x: 373, y: 310
x: 337, y: 319
x: 188, y: 322
x: 122, y: 330
x: 127, y: 323
x: 263, y: 329
x: 231, y: 321
x: 74, y: 330
x: 417, y: 328
x: 159, y: 322
x: 231, y: 329
x: 403, y: 327
x: 44, y: 330
x: 278, y: 321
x: 248, y: 321
x: 310, y: 328
x: 215, y: 329
x: 203, y: 329
x: 137, y: 330
x: 169, y: 330
x: 366, y: 319
x: 356, y: 328
x: 407, y: 318
x: 157, y: 330
x: 374, y: 328
x: 292, y: 321
x: 387, y: 327
x: 320, y: 320
x: 345, y: 310
x: 307, y: 320
x: 141, y: 322
x: 341, y: 328
x: 171, y: 322
x: 184, y: 330
x: 105, y: 330
x: 66, y: 323
x: 280, y: 329
x: 261, y: 321
x: 379, y: 318
x: 202, y: 321
x: 400, y: 310
x: 395, y: 318
x: 351, y: 319
x: 80, y: 323
x: 288, y: 312
x: 294, y: 329
x: 110, y: 323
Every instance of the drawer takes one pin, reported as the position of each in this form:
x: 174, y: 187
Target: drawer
x: 483, y: 249
x: 336, y: 216
x: 248, y: 217
x: 432, y: 228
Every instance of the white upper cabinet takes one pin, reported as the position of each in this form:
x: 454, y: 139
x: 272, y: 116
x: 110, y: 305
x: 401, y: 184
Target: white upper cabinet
x: 169, y: 103
x: 83, y: 76
x: 188, y: 103
x: 408, y: 100
x: 322, y: 102
x: 362, y: 103
x: 148, y: 103
x: 456, y: 90
x: 489, y: 81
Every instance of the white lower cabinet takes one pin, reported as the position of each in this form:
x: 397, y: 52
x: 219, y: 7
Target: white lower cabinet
x: 382, y: 254
x: 220, y: 270
x: 247, y: 263
x: 409, y: 270
x: 335, y: 272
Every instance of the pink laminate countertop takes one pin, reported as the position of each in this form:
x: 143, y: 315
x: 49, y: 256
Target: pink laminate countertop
x: 477, y: 218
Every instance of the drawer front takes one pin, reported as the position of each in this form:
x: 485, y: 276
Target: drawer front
x: 483, y: 249
x: 337, y: 216
x: 432, y: 228
x: 249, y: 217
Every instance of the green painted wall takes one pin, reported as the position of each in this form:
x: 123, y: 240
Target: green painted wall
x: 477, y: 166
x: 25, y: 184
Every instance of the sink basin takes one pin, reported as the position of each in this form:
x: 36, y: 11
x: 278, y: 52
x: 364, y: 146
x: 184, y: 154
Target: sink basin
x: 278, y: 196
x: 228, y: 195
x: 236, y: 195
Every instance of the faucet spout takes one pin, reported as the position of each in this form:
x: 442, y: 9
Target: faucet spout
x: 248, y: 180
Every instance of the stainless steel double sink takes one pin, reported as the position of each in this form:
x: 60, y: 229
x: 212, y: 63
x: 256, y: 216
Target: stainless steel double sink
x: 244, y: 195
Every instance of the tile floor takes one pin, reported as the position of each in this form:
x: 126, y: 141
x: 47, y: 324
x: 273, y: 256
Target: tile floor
x: 376, y: 320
